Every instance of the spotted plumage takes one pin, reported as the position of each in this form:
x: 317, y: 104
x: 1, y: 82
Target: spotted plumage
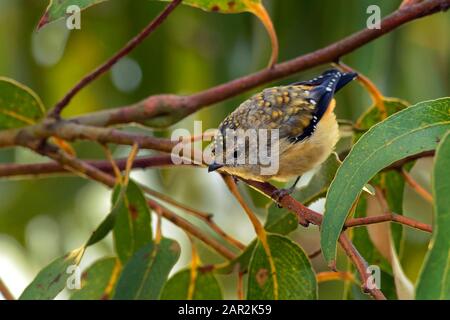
x: 302, y: 113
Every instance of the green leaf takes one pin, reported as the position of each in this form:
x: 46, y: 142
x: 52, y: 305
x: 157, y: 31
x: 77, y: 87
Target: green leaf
x: 108, y: 223
x: 205, y: 287
x: 57, y: 9
x: 19, y: 105
x: 132, y: 229
x: 240, y: 263
x: 53, y: 279
x: 98, y: 280
x: 280, y: 220
x: 145, y: 274
x: 410, y: 131
x: 434, y: 278
x: 294, y: 275
x: 318, y: 185
x: 373, y: 116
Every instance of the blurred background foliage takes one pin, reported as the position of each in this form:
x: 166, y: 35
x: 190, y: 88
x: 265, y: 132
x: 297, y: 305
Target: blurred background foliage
x: 41, y: 219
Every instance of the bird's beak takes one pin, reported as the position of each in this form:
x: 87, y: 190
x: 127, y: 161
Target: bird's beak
x: 214, y: 166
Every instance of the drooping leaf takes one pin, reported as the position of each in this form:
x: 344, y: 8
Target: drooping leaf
x: 57, y: 9
x: 280, y: 220
x: 205, y: 287
x: 108, y: 223
x: 98, y: 281
x: 294, y: 277
x: 53, y: 279
x: 410, y: 131
x: 320, y: 181
x: 132, y: 229
x: 145, y: 274
x: 434, y: 278
x: 19, y: 105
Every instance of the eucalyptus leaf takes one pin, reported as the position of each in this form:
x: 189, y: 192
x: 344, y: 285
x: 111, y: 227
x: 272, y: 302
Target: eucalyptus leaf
x: 434, y: 278
x: 54, y: 278
x: 145, y: 274
x: 294, y: 278
x: 132, y: 228
x: 181, y: 287
x: 98, y: 281
x: 280, y: 220
x: 58, y: 9
x: 19, y: 105
x: 408, y: 132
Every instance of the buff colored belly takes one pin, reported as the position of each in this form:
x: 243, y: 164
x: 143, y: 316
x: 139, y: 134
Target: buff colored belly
x: 304, y: 156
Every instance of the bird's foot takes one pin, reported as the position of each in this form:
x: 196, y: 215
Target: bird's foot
x: 279, y: 194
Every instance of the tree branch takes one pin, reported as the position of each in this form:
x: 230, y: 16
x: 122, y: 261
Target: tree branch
x: 133, y: 43
x: 166, y: 109
x: 157, y: 161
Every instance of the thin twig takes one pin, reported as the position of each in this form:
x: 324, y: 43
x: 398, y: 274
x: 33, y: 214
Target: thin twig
x: 133, y: 43
x: 158, y: 161
x: 50, y: 168
x: 361, y: 266
x: 375, y: 94
x: 416, y: 186
x: 240, y: 285
x: 364, y: 221
x: 205, y: 217
x: 4, y: 291
x: 192, y: 230
x: 315, y: 254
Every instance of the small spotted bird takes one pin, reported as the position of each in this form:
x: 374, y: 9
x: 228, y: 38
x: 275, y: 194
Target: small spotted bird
x: 302, y: 113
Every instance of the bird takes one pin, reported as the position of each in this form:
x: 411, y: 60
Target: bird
x: 302, y: 114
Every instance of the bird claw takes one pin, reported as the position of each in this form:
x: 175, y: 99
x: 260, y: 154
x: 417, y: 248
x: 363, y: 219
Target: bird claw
x: 279, y: 194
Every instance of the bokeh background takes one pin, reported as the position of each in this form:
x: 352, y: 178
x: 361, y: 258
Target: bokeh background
x: 41, y: 219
